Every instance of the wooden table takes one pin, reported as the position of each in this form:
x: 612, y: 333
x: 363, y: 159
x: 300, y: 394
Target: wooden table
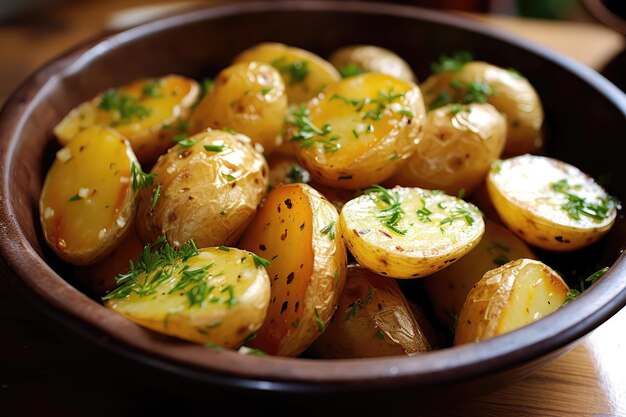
x: 40, y: 373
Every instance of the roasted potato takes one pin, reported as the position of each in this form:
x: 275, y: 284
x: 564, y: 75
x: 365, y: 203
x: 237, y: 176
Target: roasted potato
x: 409, y: 232
x: 448, y: 288
x: 248, y: 98
x: 509, y: 297
x: 286, y: 170
x: 373, y: 319
x: 508, y: 91
x: 88, y: 198
x: 295, y: 230
x: 359, y: 130
x: 148, y: 112
x: 305, y: 73
x: 549, y: 203
x: 211, y: 295
x: 207, y: 188
x: 355, y: 59
x: 458, y: 145
x: 337, y: 196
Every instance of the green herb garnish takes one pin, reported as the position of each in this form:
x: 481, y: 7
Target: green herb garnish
x: 297, y: 70
x: 140, y: 179
x: 126, y: 106
x: 577, y: 206
x: 354, y: 307
x: 597, y: 275
x: 308, y: 134
x: 155, y: 196
x: 571, y: 296
x: 392, y: 213
x: 259, y: 262
x: 75, y: 197
x: 350, y: 70
x: 329, y: 229
x: 451, y: 63
x: 152, y: 89
x: 214, y: 148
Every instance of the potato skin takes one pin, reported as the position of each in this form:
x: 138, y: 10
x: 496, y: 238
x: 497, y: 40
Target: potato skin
x: 305, y: 73
x: 295, y: 230
x: 373, y: 319
x: 286, y: 170
x: 522, y: 190
x: 87, y: 202
x: 165, y: 105
x: 457, y: 148
x: 204, y: 195
x: 370, y: 58
x: 509, y: 297
x: 448, y: 288
x: 248, y: 98
x: 513, y: 95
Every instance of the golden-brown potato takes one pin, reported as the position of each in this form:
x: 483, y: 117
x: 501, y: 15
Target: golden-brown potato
x: 448, y: 288
x: 549, y: 203
x: 338, y: 197
x: 148, y: 112
x: 509, y: 297
x: 212, y: 295
x: 248, y: 98
x: 101, y: 276
x: 409, y: 232
x: 355, y: 59
x: 507, y: 90
x: 286, y: 170
x: 295, y: 230
x: 359, y: 130
x: 88, y: 198
x: 305, y: 73
x: 456, y: 150
x: 373, y: 319
x: 207, y: 188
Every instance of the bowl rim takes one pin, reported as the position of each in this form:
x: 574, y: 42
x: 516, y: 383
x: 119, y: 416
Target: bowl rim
x: 94, y: 322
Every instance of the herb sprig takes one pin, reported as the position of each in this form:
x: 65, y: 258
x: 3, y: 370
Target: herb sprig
x: 389, y: 216
x: 126, y: 106
x: 451, y: 63
x: 308, y: 134
x: 139, y: 179
x: 577, y: 206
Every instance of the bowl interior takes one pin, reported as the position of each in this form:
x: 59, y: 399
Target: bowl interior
x: 584, y: 125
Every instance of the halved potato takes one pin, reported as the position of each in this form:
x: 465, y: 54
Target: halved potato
x: 354, y: 59
x: 248, y: 98
x: 148, y: 112
x: 305, y: 73
x: 409, y: 232
x: 506, y: 90
x: 211, y: 295
x: 373, y: 319
x: 448, y: 288
x: 295, y: 230
x: 207, y: 188
x: 457, y: 148
x: 88, y: 198
x: 549, y: 203
x: 509, y: 297
x: 359, y: 130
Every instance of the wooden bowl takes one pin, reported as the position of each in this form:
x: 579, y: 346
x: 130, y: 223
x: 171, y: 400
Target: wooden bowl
x: 585, y: 122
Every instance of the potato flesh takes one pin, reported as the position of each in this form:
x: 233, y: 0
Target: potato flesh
x: 248, y: 98
x: 167, y: 104
x: 232, y: 309
x: 87, y: 201
x: 452, y: 229
x: 448, y: 288
x: 513, y: 95
x: 368, y: 143
x: 370, y: 58
x: 373, y: 319
x: 312, y: 72
x: 307, y: 268
x: 521, y: 190
x: 456, y: 150
x: 205, y: 195
x: 507, y: 298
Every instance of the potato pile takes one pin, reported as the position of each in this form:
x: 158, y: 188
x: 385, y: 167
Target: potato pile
x: 281, y: 207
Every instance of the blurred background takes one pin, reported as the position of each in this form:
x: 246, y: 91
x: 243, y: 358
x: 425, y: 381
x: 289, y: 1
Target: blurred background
x: 35, y: 31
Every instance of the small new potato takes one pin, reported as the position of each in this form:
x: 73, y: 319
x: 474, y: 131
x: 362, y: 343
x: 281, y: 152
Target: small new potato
x: 88, y: 198
x: 286, y: 170
x: 373, y: 319
x: 448, y: 288
x: 409, y: 232
x: 296, y: 231
x: 354, y: 59
x: 248, y: 98
x: 359, y: 130
x: 508, y: 91
x: 148, y: 112
x: 509, y: 297
x: 549, y: 203
x: 457, y: 148
x: 211, y: 295
x: 206, y: 189
x: 305, y: 73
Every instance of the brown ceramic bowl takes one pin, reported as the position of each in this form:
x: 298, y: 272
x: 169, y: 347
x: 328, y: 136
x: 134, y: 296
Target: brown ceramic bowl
x: 585, y: 121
